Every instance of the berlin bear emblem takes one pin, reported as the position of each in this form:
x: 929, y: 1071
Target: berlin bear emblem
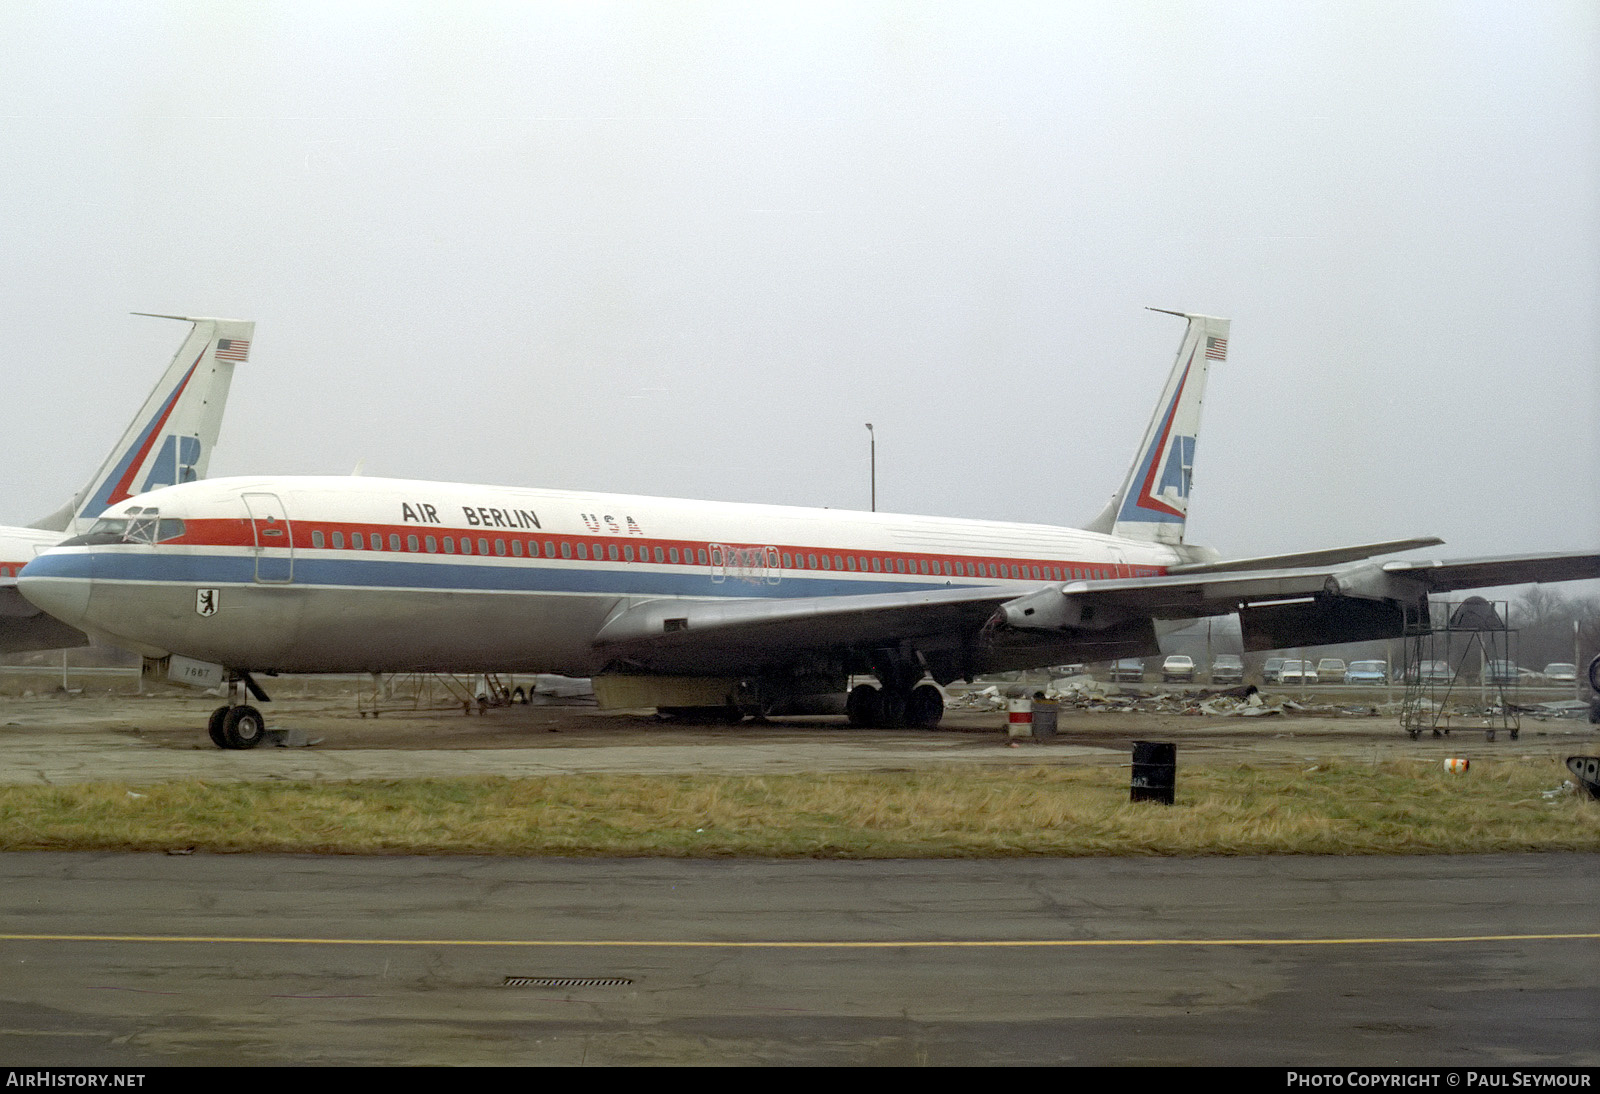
x: 206, y: 601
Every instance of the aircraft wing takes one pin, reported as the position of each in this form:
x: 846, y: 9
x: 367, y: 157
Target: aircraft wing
x: 737, y: 634
x: 1325, y: 557
x: 1210, y: 592
x: 1278, y: 608
x: 1298, y: 606
x: 1480, y: 573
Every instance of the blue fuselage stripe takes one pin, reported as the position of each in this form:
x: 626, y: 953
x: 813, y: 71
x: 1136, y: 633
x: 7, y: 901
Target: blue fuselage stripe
x: 412, y: 572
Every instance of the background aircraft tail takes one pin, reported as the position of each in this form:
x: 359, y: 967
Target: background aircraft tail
x: 171, y: 438
x: 1153, y: 503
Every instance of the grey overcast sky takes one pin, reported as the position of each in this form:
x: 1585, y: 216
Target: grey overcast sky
x: 690, y: 248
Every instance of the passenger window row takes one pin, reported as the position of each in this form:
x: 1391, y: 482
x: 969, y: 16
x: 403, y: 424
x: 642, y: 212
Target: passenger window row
x: 946, y: 567
x: 625, y: 552
x: 516, y: 548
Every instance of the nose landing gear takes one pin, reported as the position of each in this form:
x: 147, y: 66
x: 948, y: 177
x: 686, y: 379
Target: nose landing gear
x: 238, y: 725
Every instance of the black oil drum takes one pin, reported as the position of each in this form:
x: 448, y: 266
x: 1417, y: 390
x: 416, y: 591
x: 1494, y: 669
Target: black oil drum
x: 1155, y: 771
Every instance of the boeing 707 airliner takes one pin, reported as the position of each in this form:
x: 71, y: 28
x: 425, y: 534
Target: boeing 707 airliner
x: 679, y: 604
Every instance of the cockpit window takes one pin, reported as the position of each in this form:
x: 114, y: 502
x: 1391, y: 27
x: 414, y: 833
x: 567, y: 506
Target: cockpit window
x: 144, y: 527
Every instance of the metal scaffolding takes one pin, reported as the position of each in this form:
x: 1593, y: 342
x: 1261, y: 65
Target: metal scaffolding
x: 416, y: 691
x: 1461, y: 674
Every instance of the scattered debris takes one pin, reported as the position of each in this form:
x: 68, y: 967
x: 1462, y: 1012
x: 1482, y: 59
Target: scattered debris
x: 290, y: 738
x: 1086, y: 694
x: 1558, y: 708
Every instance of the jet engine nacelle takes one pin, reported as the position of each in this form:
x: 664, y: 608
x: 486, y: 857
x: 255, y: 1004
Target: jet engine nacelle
x: 1052, y: 609
x: 1368, y: 581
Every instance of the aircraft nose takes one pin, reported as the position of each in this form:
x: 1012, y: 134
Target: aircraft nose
x: 58, y: 587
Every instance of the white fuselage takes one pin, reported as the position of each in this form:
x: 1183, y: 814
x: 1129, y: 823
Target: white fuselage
x: 356, y: 574
x: 18, y: 546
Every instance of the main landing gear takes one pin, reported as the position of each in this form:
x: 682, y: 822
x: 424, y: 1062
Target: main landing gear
x: 238, y: 724
x: 900, y: 701
x: 870, y: 707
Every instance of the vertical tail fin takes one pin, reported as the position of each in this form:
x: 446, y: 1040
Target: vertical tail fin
x: 1153, y: 503
x: 170, y: 440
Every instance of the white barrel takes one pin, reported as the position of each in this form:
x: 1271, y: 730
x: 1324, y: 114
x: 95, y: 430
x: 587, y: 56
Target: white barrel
x: 1020, y: 718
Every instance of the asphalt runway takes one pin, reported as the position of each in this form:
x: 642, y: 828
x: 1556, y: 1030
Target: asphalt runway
x: 141, y: 960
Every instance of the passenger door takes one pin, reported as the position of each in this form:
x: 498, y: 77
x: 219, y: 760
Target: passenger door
x: 274, y: 539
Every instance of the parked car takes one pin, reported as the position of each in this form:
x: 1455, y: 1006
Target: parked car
x: 1176, y: 668
x: 1227, y: 668
x: 1367, y: 672
x: 1430, y: 672
x: 1297, y: 672
x: 1128, y: 669
x: 1330, y: 670
x: 1074, y: 669
x: 1501, y: 672
x: 1559, y: 672
x: 1270, y: 670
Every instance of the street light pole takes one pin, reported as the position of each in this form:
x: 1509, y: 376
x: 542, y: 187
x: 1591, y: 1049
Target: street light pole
x: 874, y: 439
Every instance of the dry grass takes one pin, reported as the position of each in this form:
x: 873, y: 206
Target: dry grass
x: 1395, y: 808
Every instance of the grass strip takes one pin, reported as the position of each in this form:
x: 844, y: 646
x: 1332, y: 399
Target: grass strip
x: 1399, y: 807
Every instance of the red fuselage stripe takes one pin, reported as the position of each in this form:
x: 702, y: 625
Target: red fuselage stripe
x: 240, y: 533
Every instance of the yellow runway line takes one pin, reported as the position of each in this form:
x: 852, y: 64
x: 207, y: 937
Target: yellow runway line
x: 778, y: 944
